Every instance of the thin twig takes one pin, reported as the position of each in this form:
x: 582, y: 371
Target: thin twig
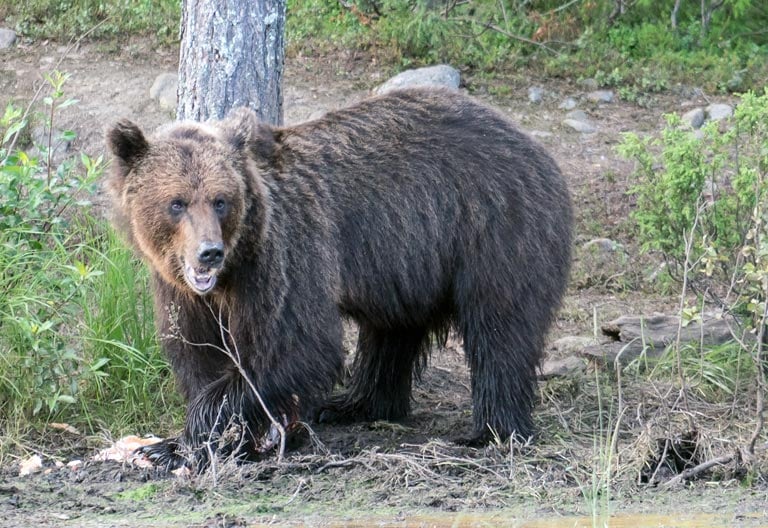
x: 494, y: 27
x: 235, y: 357
x: 759, y: 362
x: 687, y: 267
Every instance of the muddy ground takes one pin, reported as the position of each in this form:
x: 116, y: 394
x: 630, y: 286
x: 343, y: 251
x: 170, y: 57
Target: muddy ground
x: 594, y: 451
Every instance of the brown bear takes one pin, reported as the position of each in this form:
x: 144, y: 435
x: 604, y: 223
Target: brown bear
x: 411, y: 213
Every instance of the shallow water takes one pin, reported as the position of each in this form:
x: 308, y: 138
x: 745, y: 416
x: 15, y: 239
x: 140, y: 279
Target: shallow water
x: 471, y: 520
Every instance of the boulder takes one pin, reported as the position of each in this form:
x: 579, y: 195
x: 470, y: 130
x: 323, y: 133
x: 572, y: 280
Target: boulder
x: 441, y: 75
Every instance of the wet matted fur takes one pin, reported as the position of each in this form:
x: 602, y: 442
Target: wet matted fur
x: 411, y: 212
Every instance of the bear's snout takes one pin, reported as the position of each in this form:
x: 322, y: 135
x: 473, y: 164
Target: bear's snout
x: 210, y: 254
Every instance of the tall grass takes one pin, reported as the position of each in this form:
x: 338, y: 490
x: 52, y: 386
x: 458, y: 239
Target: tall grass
x: 126, y: 367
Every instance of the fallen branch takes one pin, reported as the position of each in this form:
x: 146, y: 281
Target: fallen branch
x: 692, y: 472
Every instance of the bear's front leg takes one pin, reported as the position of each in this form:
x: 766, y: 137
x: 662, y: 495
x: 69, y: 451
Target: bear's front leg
x: 226, y: 419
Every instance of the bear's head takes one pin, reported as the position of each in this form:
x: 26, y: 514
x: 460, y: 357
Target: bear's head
x: 182, y: 195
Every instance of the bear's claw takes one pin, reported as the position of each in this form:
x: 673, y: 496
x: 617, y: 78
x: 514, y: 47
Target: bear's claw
x: 164, y: 455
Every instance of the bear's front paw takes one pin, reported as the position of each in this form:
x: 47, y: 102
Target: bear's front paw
x: 165, y: 455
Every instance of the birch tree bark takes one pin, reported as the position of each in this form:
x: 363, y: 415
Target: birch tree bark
x: 232, y: 54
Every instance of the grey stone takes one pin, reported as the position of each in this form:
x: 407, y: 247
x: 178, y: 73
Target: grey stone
x: 540, y: 133
x: 7, y: 38
x: 571, y: 346
x: 535, y: 94
x: 600, y: 96
x: 561, y: 368
x: 577, y: 115
x: 580, y: 126
x: 694, y: 118
x: 568, y: 104
x: 440, y: 75
x: 579, y: 121
x: 719, y: 111
x: 164, y: 90
x: 604, y: 245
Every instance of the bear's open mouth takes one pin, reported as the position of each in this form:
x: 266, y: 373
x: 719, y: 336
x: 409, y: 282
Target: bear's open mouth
x: 202, y: 281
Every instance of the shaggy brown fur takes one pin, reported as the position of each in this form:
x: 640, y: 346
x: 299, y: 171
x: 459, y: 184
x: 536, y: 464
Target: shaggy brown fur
x: 410, y: 212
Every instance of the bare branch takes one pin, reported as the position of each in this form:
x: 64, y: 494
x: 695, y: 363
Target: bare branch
x: 692, y: 472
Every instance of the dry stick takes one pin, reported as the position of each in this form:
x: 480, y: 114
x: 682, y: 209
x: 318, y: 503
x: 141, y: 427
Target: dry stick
x: 692, y: 472
x: 209, y: 443
x: 302, y: 482
x: 661, y: 461
x: 760, y: 404
x: 617, y: 366
x: 687, y: 267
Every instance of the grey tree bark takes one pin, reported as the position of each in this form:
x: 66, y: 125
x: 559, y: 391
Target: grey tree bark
x: 232, y: 54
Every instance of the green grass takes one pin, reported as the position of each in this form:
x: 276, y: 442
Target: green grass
x: 126, y: 369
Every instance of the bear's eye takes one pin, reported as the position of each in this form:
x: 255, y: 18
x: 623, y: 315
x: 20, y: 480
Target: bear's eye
x: 220, y: 206
x: 177, y: 207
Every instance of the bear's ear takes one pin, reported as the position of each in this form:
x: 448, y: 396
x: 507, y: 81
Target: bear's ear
x: 127, y: 144
x: 244, y: 131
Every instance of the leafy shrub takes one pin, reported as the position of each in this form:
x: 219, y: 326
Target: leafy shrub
x: 39, y: 273
x: 77, y: 339
x: 696, y: 194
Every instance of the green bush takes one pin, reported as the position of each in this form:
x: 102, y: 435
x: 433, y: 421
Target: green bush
x: 77, y: 340
x: 73, y: 18
x: 696, y: 194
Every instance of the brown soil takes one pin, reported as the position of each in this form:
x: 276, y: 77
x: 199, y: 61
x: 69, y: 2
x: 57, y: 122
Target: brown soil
x: 409, y: 474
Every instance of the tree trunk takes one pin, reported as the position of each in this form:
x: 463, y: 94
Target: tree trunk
x: 232, y: 54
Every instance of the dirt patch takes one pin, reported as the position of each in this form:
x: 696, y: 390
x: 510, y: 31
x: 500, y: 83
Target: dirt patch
x: 598, y: 432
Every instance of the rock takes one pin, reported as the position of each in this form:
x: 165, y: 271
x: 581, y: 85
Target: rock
x: 441, y: 75
x: 577, y: 115
x: 580, y: 126
x: 567, y: 104
x: 535, y: 94
x: 571, y: 346
x: 600, y: 96
x: 578, y: 121
x: 604, y: 245
x: 560, y: 368
x: 7, y: 38
x: 694, y: 118
x: 652, y: 335
x: 164, y: 90
x: 589, y: 84
x: 717, y: 112
x: 540, y: 133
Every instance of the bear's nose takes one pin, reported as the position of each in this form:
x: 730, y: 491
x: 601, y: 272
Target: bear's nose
x: 210, y: 253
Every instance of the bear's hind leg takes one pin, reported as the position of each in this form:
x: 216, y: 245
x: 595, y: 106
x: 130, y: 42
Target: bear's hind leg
x: 383, y: 370
x: 502, y: 350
